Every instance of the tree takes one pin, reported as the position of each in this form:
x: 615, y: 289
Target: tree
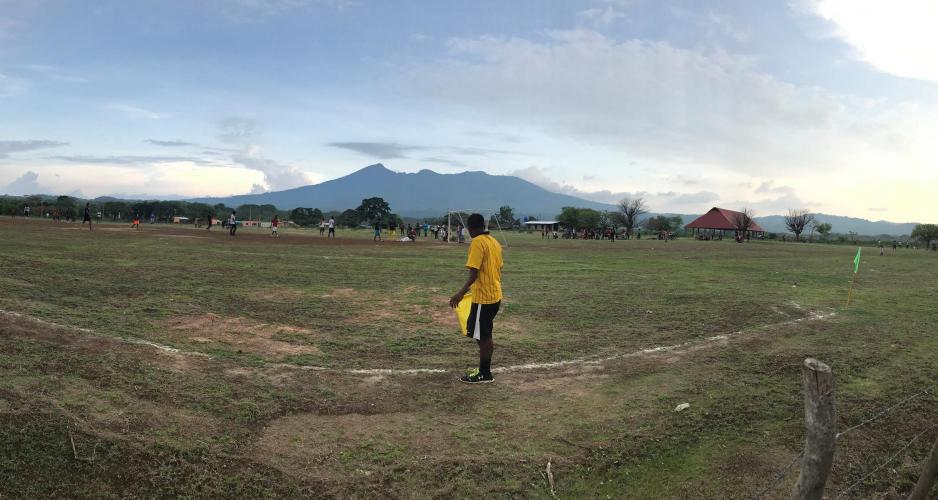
x: 506, y: 217
x: 305, y: 216
x: 743, y: 222
x: 926, y: 233
x: 348, y: 218
x: 823, y: 229
x: 580, y: 218
x: 657, y: 224
x: 677, y: 222
x: 373, y: 210
x: 797, y: 220
x: 631, y: 210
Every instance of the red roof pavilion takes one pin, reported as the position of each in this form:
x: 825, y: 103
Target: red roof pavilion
x: 721, y: 219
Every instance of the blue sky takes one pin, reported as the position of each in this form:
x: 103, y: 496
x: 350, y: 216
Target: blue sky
x: 827, y: 105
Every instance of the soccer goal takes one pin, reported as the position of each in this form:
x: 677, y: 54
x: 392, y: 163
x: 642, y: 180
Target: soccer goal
x: 455, y: 220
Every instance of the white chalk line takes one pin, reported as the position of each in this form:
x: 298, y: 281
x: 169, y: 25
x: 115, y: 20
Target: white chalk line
x: 594, y: 361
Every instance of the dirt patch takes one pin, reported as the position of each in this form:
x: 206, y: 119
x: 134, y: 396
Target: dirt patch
x: 341, y: 292
x: 323, y: 446
x: 280, y: 294
x: 243, y: 333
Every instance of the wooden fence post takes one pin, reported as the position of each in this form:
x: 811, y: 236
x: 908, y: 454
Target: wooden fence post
x: 820, y: 427
x: 929, y: 474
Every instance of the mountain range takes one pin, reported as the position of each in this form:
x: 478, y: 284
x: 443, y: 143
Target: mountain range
x: 423, y: 194
x: 431, y: 194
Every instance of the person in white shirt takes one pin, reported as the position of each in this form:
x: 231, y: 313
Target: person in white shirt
x: 331, y: 227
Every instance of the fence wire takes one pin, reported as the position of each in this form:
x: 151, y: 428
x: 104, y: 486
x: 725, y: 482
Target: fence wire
x: 784, y: 472
x: 887, y: 462
x: 885, y: 412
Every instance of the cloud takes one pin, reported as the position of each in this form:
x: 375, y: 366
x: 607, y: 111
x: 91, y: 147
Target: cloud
x: 703, y: 107
x: 503, y: 137
x: 277, y: 176
x: 878, y: 209
x: 727, y: 27
x: 660, y: 201
x: 238, y: 131
x: 896, y: 37
x: 169, y: 144
x: 379, y: 150
x: 444, y: 161
x: 252, y: 11
x: 135, y: 111
x: 131, y: 159
x: 56, y: 74
x: 244, y: 135
x: 773, y: 206
x: 601, y: 17
x: 770, y: 187
x: 27, y: 183
x: 9, y: 147
x: 11, y: 86
x: 468, y: 151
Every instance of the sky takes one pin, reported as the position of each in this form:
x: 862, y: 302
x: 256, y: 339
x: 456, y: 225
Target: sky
x: 825, y: 105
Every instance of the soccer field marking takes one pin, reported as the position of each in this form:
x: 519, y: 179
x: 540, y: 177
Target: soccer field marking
x: 594, y: 361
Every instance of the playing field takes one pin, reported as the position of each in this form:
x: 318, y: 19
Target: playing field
x: 172, y: 361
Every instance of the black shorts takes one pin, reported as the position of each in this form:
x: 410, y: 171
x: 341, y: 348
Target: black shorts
x: 481, y: 319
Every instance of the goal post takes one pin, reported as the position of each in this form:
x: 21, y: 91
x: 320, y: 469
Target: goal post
x: 488, y: 214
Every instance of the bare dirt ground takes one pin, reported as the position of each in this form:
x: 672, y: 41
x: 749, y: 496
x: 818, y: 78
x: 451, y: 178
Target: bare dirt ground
x: 342, y: 433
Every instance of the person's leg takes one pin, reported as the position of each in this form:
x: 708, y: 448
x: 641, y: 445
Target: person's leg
x: 486, y: 348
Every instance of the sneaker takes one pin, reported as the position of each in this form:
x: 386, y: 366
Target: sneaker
x: 474, y: 377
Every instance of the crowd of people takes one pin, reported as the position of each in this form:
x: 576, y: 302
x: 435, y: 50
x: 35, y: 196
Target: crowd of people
x: 415, y: 231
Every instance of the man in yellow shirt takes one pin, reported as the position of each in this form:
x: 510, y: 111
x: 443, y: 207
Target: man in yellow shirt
x: 485, y: 283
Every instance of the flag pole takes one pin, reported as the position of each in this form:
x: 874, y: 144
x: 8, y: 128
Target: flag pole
x: 856, y: 275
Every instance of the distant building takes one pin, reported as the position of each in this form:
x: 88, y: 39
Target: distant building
x: 541, y: 225
x: 180, y: 220
x: 717, y: 221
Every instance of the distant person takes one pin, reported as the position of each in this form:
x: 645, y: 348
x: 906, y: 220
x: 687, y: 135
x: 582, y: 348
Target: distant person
x: 894, y: 244
x: 331, y: 227
x: 232, y: 223
x: 208, y: 227
x: 87, y: 217
x: 484, y: 282
x: 136, y: 223
x: 377, y: 236
x: 412, y: 233
x: 426, y: 229
x: 322, y: 227
x: 392, y: 226
x: 274, y: 224
x: 882, y: 250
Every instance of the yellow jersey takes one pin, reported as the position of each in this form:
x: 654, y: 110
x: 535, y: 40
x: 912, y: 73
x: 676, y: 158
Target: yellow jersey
x: 485, y: 254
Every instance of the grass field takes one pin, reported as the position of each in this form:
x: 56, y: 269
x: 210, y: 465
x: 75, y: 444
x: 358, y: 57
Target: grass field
x: 328, y: 368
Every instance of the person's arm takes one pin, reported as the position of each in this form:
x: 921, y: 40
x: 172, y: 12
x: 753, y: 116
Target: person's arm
x: 473, y: 275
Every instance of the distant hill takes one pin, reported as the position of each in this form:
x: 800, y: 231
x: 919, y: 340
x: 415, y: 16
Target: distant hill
x: 429, y: 194
x: 843, y: 225
x: 423, y: 194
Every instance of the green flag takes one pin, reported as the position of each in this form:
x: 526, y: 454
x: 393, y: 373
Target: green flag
x: 856, y: 261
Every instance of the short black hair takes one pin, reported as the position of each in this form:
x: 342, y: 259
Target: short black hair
x: 476, y: 221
